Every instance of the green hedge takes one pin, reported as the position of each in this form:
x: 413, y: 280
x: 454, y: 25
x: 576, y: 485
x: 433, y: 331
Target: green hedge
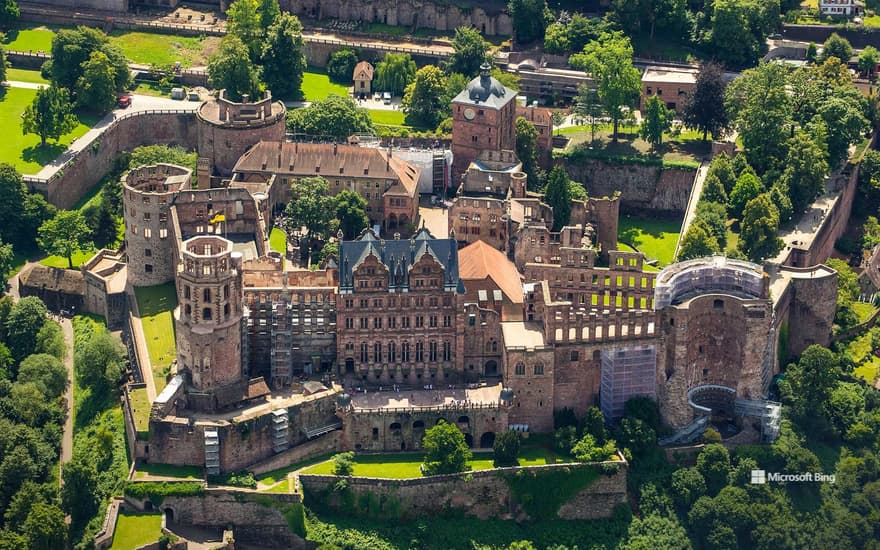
x: 541, y: 493
x: 156, y: 491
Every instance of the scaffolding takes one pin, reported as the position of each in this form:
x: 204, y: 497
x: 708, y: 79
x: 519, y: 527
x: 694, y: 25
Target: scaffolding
x: 279, y: 355
x: 768, y: 412
x: 717, y: 274
x: 212, y: 452
x: 280, y: 428
x: 626, y: 373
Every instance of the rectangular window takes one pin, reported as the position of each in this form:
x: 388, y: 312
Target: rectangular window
x: 420, y: 321
x: 433, y: 321
x: 392, y: 322
x: 377, y: 352
x: 520, y: 369
x: 432, y: 351
x: 447, y: 351
x: 364, y: 358
x: 163, y: 233
x: 363, y: 322
x: 420, y: 351
x: 404, y: 322
x: 148, y: 252
x: 392, y: 352
x: 404, y: 352
x: 148, y: 233
x: 349, y: 322
x: 447, y: 320
x: 539, y: 369
x: 148, y: 268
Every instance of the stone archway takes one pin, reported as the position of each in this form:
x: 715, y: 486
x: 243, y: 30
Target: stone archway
x: 491, y: 368
x: 169, y: 515
x: 469, y: 440
x: 487, y: 440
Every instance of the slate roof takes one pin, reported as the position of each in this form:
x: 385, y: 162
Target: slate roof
x: 363, y: 71
x: 398, y: 255
x: 485, y: 91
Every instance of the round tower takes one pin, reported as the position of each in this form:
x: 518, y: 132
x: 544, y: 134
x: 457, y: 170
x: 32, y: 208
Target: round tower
x: 209, y: 312
x: 227, y: 129
x: 147, y: 194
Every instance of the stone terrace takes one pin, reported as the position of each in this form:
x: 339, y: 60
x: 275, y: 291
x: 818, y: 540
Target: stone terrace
x: 443, y: 397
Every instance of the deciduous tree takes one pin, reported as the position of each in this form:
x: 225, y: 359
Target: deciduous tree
x: 243, y: 22
x: 231, y: 69
x: 422, y: 98
x: 530, y: 18
x: 868, y: 60
x: 99, y: 362
x: 9, y: 14
x: 506, y: 448
x: 558, y: 197
x: 655, y: 120
x: 340, y: 65
x: 96, y: 88
x: 759, y: 228
x: 609, y: 60
x: 469, y: 52
x: 269, y: 12
x: 284, y: 58
x: 703, y: 107
x: 837, y: 46
x: 50, y: 115
x: 446, y: 451
x: 343, y: 464
x: 747, y: 187
x: 22, y: 325
x: 805, y: 170
x: 845, y: 125
x: 337, y: 117
x: 714, y: 214
x: 311, y: 206
x: 46, y: 372
x: 699, y: 241
x: 395, y: 72
x: 65, y: 234
x: 351, y: 212
x: 527, y: 152
x: 45, y: 528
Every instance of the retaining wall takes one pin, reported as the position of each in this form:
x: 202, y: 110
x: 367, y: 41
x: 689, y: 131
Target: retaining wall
x: 484, y: 494
x: 86, y: 168
x: 641, y: 186
x: 327, y: 443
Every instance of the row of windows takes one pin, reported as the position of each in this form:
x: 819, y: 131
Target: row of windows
x: 380, y: 283
x: 391, y: 322
x: 435, y: 351
x: 417, y: 301
x: 206, y: 293
x: 520, y: 369
x: 207, y: 313
x: 163, y: 217
x: 478, y: 217
x: 148, y: 233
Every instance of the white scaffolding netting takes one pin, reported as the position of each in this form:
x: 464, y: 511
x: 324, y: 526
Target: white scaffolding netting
x: 717, y: 274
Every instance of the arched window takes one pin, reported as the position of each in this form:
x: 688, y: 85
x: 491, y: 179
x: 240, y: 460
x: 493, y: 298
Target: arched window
x: 539, y: 368
x: 520, y: 369
x: 494, y: 346
x: 206, y: 314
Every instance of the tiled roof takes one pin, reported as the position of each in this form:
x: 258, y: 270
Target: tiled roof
x: 398, y: 255
x: 480, y: 260
x: 328, y: 160
x: 363, y: 71
x: 68, y: 281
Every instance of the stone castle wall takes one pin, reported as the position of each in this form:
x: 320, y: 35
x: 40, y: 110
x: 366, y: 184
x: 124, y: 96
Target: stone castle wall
x: 441, y: 16
x: 92, y: 163
x: 640, y: 186
x: 483, y: 494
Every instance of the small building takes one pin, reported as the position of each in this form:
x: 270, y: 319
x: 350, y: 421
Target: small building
x: 57, y: 288
x: 841, y: 7
x: 671, y: 84
x: 363, y: 78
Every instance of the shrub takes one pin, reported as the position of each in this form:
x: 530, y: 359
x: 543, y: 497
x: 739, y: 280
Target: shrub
x: 156, y: 491
x: 506, y: 448
x: 586, y: 450
x: 235, y: 479
x: 343, y: 464
x: 564, y: 439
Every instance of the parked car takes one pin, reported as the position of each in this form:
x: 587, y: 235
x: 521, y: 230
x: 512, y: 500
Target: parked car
x: 377, y: 96
x: 178, y: 93
x: 123, y: 102
x: 386, y: 98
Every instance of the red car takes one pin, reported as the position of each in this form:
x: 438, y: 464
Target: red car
x: 124, y: 101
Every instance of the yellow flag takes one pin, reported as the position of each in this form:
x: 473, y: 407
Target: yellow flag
x: 218, y: 218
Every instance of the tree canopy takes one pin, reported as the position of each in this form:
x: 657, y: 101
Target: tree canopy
x: 530, y: 18
x: 703, y: 107
x: 243, y: 22
x: 65, y: 234
x: 469, y: 52
x: 609, y: 60
x: 96, y: 89
x: 557, y: 196
x: 311, y: 206
x: 351, y: 212
x: 72, y: 48
x: 422, y: 100
x: 336, y: 116
x: 341, y: 64
x: 395, y: 72
x: 231, y: 69
x: 837, y: 46
x: 527, y: 152
x: 698, y: 241
x: 759, y: 227
x: 50, y: 115
x: 284, y: 58
x: 656, y: 120
x: 445, y: 450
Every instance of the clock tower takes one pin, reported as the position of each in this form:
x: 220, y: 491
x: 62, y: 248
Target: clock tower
x: 483, y: 119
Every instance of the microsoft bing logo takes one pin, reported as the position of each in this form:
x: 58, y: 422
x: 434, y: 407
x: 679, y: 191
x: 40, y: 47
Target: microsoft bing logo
x: 759, y: 477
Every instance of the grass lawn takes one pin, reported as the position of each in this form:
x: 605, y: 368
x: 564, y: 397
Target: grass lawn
x: 270, y: 478
x: 168, y: 470
x: 164, y: 49
x: 732, y: 235
x: 140, y: 407
x: 278, y: 240
x: 36, y: 38
x: 134, y: 530
x: 155, y: 304
x: 872, y: 21
x: 387, y: 118
x: 655, y: 238
x: 406, y: 465
x: 78, y: 258
x: 683, y: 150
x: 283, y: 487
x: 146, y: 87
x: 860, y: 351
x: 864, y: 310
x: 23, y: 75
x: 24, y: 151
x: 316, y: 86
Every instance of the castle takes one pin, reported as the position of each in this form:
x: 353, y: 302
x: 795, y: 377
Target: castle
x: 492, y: 324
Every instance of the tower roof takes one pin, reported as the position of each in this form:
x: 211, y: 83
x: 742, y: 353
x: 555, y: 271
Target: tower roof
x: 485, y: 91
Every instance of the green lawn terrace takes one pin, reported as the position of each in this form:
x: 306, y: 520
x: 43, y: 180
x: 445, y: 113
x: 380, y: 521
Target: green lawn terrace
x: 155, y: 307
x: 680, y: 149
x: 24, y: 151
x: 135, y: 530
x: 655, y: 238
x: 408, y: 465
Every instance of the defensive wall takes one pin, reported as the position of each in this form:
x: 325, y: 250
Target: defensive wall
x: 484, y: 494
x: 859, y: 37
x: 86, y: 168
x: 641, y: 186
x: 255, y: 518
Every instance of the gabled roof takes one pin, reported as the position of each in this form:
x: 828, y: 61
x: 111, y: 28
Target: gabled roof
x: 363, y: 71
x: 67, y: 281
x: 479, y: 261
x: 398, y: 256
x: 329, y: 160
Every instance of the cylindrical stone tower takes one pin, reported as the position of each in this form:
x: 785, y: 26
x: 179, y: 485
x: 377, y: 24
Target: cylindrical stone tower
x: 147, y: 194
x: 228, y: 129
x: 209, y: 311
